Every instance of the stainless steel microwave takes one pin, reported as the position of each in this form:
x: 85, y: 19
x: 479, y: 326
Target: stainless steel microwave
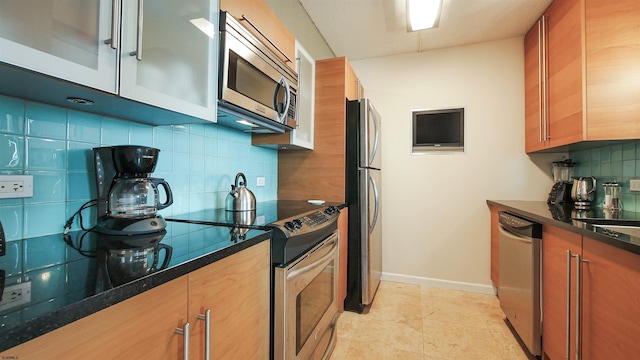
x: 256, y: 87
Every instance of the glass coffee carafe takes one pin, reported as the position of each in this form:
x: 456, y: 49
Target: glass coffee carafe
x: 136, y: 197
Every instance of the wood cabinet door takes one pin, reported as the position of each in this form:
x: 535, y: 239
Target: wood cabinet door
x: 612, y: 50
x: 532, y: 91
x: 259, y: 13
x: 555, y: 243
x: 611, y: 304
x: 237, y: 291
x: 141, y: 327
x: 565, y: 72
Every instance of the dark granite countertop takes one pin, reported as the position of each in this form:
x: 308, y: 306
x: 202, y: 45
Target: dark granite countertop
x: 69, y: 278
x: 566, y: 217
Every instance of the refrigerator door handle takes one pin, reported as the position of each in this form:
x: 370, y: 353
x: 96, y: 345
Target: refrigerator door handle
x: 374, y: 120
x: 372, y: 225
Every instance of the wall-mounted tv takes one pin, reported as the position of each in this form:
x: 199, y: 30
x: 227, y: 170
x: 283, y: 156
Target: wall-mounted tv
x: 437, y: 130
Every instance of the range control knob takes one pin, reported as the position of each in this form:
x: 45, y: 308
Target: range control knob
x: 289, y: 226
x: 297, y: 223
x: 331, y: 210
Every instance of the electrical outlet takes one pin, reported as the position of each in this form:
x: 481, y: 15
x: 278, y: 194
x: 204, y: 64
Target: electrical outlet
x: 16, y: 295
x: 16, y: 186
x: 634, y: 184
x: 261, y: 181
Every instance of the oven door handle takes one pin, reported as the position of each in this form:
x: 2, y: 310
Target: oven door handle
x: 320, y: 262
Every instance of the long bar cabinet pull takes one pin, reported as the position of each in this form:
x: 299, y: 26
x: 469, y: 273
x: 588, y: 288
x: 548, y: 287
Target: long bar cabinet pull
x: 545, y: 106
x: 138, y: 52
x: 207, y: 332
x: 578, y: 296
x: 184, y: 332
x: 540, y: 81
x: 115, y: 24
x: 567, y: 329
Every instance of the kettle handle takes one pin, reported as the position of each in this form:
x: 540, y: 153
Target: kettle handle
x: 167, y: 190
x: 244, y: 183
x: 593, y: 179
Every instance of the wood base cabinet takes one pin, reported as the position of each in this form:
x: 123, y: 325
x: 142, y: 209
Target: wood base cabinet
x: 591, y: 307
x: 235, y: 289
x: 610, y: 302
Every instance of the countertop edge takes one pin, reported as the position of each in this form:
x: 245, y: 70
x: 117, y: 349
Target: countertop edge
x: 588, y: 231
x: 63, y: 316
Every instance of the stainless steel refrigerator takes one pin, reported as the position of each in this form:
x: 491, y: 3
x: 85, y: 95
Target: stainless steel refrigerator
x: 363, y: 185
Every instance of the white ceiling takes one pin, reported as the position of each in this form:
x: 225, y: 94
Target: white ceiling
x: 360, y: 29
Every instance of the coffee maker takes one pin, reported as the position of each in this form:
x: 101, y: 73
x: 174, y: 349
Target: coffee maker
x: 563, y: 182
x: 128, y: 197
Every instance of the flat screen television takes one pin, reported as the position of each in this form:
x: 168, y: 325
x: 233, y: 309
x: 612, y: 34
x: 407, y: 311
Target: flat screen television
x: 438, y: 130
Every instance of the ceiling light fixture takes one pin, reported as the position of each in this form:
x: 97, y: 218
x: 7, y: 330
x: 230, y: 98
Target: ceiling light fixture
x: 423, y: 14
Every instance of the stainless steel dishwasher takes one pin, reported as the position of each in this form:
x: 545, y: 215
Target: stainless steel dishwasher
x: 520, y: 273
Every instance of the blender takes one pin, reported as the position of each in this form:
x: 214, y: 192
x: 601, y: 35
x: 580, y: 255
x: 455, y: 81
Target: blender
x: 563, y: 181
x: 128, y: 197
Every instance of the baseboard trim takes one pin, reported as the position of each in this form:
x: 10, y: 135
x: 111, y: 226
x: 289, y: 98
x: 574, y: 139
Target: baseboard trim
x: 439, y: 283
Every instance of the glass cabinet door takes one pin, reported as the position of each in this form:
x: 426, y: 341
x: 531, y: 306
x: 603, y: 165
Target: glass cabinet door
x: 302, y: 136
x: 169, y: 54
x: 66, y: 39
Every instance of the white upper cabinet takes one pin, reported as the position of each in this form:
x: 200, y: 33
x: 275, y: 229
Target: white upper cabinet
x: 302, y: 136
x: 169, y: 55
x: 63, y: 38
x: 161, y: 53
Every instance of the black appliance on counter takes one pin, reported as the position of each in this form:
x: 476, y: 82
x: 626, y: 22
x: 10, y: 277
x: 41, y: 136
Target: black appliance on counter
x: 563, y: 182
x: 128, y: 198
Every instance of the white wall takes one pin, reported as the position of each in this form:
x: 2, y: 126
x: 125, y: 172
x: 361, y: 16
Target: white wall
x: 295, y: 18
x: 435, y: 218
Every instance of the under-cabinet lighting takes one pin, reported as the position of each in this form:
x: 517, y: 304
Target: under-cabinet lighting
x: 422, y: 14
x: 245, y: 122
x: 204, y: 25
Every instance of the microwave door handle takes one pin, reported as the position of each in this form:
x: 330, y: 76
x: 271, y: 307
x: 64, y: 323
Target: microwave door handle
x: 281, y: 115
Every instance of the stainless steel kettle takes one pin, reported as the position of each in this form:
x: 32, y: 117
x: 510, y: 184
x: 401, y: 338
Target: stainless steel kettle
x: 240, y: 198
x: 582, y: 189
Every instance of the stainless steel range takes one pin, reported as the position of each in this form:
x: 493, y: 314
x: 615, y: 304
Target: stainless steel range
x: 305, y: 278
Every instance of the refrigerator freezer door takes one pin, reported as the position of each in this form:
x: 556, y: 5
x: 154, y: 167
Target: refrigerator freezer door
x: 371, y: 233
x: 369, y: 136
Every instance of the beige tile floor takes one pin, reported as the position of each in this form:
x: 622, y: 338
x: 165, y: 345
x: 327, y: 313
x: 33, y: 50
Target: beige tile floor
x: 417, y: 322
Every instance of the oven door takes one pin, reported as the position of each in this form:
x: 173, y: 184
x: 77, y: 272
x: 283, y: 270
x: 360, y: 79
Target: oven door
x: 306, y: 303
x: 253, y: 81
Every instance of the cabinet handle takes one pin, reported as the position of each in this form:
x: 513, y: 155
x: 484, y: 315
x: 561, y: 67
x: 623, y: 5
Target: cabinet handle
x: 138, y: 52
x: 115, y: 24
x: 207, y: 332
x: 244, y: 18
x: 540, y: 81
x: 184, y: 332
x: 542, y: 45
x: 299, y: 69
x: 578, y: 296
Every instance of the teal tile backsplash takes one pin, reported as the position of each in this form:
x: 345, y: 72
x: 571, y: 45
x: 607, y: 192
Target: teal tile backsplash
x: 619, y: 162
x: 54, y: 145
